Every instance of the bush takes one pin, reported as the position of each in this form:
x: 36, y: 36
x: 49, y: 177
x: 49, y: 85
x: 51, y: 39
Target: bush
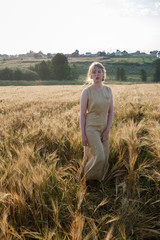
x: 74, y: 72
x: 18, y: 74
x: 120, y: 74
x: 6, y: 74
x: 143, y: 75
x: 30, y: 75
x: 43, y: 70
x: 156, y: 70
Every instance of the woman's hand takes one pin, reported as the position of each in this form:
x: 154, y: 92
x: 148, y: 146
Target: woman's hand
x: 84, y: 141
x: 104, y: 136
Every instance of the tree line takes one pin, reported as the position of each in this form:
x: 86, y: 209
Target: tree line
x: 56, y: 69
x: 18, y: 74
x: 120, y: 74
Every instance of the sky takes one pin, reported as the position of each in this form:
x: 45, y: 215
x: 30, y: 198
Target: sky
x: 53, y: 26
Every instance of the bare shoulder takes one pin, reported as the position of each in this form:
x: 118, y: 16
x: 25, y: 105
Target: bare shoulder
x: 108, y: 89
x: 84, y: 99
x: 85, y: 92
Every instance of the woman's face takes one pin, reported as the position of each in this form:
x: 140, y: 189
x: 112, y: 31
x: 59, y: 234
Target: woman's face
x: 97, y: 74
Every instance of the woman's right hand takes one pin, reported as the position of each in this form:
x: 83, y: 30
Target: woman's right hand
x: 84, y: 141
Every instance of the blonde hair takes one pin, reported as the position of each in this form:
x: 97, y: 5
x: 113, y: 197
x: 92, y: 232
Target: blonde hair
x: 91, y: 67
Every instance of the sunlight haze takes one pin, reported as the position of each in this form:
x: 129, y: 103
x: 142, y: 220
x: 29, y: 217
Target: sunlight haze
x: 88, y: 25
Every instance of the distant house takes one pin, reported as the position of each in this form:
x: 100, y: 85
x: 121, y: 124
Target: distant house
x: 5, y: 56
x: 88, y: 54
x: 111, y: 54
x: 30, y: 54
x: 125, y: 53
x: 137, y: 53
x: 118, y: 53
x: 158, y: 54
x: 101, y: 54
x: 39, y: 55
x: 21, y: 56
x: 75, y: 54
x: 154, y: 52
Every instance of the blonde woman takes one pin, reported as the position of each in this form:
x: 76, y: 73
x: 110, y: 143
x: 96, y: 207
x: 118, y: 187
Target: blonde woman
x: 96, y: 116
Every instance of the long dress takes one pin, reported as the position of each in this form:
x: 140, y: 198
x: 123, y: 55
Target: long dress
x: 95, y: 160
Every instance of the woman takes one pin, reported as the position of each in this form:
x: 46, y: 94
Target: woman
x: 96, y: 119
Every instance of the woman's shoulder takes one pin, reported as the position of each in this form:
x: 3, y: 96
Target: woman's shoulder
x: 85, y: 92
x: 87, y: 89
x: 108, y: 89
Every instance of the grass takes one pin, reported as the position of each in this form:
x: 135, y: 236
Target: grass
x: 19, y: 63
x: 40, y: 82
x: 132, y: 66
x: 41, y: 152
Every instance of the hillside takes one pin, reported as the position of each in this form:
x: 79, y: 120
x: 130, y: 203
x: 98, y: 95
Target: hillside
x: 132, y: 66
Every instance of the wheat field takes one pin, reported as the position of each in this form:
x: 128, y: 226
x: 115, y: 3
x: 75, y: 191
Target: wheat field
x: 41, y: 152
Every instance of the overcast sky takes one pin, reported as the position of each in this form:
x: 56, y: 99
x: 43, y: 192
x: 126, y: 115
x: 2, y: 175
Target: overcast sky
x: 54, y: 26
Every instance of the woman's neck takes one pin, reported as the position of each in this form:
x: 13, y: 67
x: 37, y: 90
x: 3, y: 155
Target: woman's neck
x: 98, y: 85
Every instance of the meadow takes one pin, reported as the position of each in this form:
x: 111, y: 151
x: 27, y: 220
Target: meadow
x: 131, y: 64
x: 41, y: 152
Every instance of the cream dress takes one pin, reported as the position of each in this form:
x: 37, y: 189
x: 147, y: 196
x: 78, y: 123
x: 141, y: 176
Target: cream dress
x: 95, y: 160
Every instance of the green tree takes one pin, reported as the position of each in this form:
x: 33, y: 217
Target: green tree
x: 49, y: 55
x: 57, y: 69
x: 6, y: 74
x: 60, y: 69
x: 30, y: 75
x: 120, y: 74
x: 143, y: 75
x: 156, y: 70
x: 74, y: 72
x: 43, y: 70
x: 18, y: 74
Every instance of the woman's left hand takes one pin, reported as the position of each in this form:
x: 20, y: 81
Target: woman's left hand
x: 104, y: 136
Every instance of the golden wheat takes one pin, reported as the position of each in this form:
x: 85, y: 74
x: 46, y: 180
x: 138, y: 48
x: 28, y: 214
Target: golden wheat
x: 41, y: 152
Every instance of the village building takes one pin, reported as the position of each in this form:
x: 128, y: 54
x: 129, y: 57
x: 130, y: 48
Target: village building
x: 75, y: 54
x: 118, y: 53
x: 101, y: 54
x: 154, y: 53
x: 158, y: 54
x: 125, y: 53
x: 88, y: 54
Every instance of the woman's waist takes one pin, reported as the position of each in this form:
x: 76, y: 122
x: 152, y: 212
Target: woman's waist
x: 92, y: 117
x: 95, y: 128
x: 96, y: 122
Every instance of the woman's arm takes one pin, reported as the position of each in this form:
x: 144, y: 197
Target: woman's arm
x: 109, y: 122
x: 110, y: 115
x: 83, y: 109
